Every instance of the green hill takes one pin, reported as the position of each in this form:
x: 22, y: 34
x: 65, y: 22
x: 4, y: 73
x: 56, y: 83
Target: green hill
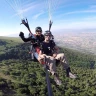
x: 7, y: 43
x: 15, y: 39
x: 20, y: 76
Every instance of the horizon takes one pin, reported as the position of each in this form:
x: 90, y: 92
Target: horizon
x: 60, y: 33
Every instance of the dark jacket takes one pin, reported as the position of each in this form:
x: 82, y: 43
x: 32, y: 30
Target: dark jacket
x: 35, y: 41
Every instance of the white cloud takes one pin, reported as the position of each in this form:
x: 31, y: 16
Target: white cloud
x: 76, y: 12
x: 37, y: 15
x: 32, y: 7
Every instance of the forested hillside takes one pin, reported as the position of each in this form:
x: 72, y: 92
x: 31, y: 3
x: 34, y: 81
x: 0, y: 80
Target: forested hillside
x: 20, y: 76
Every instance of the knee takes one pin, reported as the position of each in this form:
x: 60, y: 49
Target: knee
x: 52, y: 58
x: 62, y: 55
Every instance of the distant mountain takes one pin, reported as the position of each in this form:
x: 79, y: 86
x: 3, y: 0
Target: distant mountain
x: 85, y: 42
x: 80, y: 40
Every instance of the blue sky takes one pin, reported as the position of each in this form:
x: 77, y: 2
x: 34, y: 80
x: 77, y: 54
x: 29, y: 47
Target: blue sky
x: 67, y: 15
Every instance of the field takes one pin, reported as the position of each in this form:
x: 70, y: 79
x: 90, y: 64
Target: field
x: 20, y: 76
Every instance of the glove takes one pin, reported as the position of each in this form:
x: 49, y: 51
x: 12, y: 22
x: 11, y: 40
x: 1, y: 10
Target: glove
x: 21, y: 34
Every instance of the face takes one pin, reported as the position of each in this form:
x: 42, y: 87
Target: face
x: 47, y: 37
x: 38, y: 32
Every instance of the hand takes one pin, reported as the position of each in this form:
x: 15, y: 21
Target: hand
x: 54, y: 55
x: 21, y: 34
x: 42, y: 56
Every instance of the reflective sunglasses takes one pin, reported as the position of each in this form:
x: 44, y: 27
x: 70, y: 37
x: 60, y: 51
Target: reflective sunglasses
x: 47, y: 35
x: 38, y: 31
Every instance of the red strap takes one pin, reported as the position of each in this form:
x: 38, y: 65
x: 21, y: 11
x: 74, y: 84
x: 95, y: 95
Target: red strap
x: 37, y: 49
x: 42, y: 62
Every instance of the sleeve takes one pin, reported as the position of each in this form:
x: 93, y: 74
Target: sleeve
x: 43, y: 38
x: 53, y: 43
x: 28, y: 39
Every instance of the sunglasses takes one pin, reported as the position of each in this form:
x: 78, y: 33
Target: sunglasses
x: 38, y: 31
x: 47, y: 35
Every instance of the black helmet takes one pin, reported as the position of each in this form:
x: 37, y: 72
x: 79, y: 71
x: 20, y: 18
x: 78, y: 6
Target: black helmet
x: 38, y: 29
x: 47, y: 33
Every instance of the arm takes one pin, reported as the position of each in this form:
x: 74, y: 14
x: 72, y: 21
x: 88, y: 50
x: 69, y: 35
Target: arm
x: 41, y: 54
x: 54, y: 47
x: 23, y: 37
x: 56, y: 51
x: 41, y: 57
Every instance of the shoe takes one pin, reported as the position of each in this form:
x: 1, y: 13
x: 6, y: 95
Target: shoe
x: 58, y: 82
x: 72, y: 75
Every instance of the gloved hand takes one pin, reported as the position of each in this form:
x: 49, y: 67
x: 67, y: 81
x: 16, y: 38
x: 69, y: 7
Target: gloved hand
x: 21, y: 34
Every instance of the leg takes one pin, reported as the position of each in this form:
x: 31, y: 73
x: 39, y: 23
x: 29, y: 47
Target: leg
x: 50, y: 62
x: 63, y: 60
x: 65, y: 65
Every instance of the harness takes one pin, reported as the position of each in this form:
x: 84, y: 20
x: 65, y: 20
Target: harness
x: 35, y: 49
